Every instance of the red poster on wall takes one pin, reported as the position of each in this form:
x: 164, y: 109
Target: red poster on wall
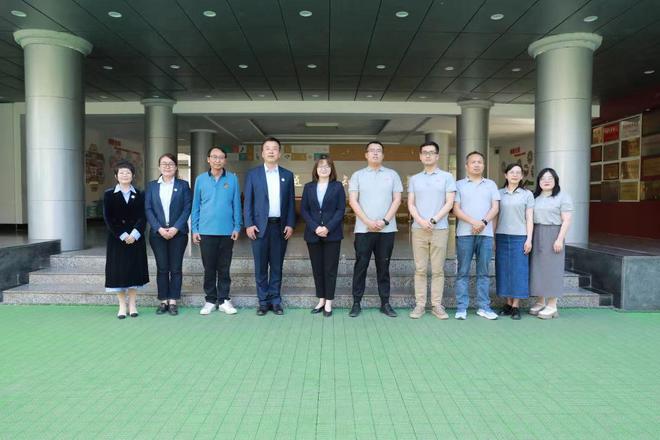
x: 611, y: 132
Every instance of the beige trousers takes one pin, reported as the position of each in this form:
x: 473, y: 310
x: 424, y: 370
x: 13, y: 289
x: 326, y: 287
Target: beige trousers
x: 433, y: 245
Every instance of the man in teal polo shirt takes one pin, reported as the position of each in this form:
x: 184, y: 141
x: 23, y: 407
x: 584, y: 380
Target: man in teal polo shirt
x: 216, y: 223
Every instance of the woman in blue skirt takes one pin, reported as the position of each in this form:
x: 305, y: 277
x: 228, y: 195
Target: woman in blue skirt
x: 513, y: 241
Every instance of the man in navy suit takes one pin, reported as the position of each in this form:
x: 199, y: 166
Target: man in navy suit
x: 269, y: 221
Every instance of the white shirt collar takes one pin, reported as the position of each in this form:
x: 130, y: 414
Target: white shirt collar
x: 274, y: 170
x: 160, y: 180
x: 118, y: 188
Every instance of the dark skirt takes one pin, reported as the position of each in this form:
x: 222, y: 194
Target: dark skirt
x: 126, y: 264
x: 511, y: 266
x: 547, y: 266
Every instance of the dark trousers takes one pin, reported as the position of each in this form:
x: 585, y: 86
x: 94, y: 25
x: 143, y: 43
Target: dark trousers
x: 325, y: 261
x: 381, y: 245
x: 169, y: 262
x: 268, y: 254
x: 216, y: 253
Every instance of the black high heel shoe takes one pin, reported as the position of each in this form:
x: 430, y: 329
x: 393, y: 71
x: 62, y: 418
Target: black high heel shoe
x: 319, y: 310
x: 326, y: 313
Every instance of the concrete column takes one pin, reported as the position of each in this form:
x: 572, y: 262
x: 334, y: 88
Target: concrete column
x: 201, y: 140
x: 564, y: 66
x: 472, y: 132
x: 440, y: 137
x: 159, y: 134
x: 54, y: 135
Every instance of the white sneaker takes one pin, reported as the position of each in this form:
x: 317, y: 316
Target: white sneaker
x: 208, y: 308
x: 488, y: 314
x: 461, y: 314
x: 227, y: 307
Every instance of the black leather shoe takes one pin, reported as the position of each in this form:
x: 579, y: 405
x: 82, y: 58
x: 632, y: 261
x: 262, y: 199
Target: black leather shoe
x: 174, y: 309
x: 319, y: 310
x: 135, y: 315
x: 327, y: 314
x: 355, y: 310
x: 162, y: 309
x: 262, y: 310
x: 388, y: 310
x: 515, y: 313
x: 277, y: 309
x: 506, y: 310
x: 119, y: 316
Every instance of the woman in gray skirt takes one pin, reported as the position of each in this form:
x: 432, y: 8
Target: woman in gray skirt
x: 552, y: 218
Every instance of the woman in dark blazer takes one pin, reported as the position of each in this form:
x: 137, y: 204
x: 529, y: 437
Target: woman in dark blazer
x: 126, y: 253
x: 323, y: 205
x: 168, y: 202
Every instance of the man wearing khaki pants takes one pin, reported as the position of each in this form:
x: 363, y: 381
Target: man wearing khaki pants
x: 430, y: 198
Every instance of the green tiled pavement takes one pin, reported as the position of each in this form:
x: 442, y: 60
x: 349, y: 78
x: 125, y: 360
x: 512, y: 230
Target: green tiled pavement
x: 78, y: 372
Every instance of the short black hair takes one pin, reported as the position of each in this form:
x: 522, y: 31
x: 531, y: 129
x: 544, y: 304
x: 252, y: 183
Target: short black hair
x: 555, y: 190
x: 472, y: 153
x: 208, y: 153
x: 366, y: 147
x: 271, y: 139
x: 430, y: 143
x: 124, y: 164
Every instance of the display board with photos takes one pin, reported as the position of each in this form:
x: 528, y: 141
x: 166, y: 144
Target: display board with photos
x: 616, y: 155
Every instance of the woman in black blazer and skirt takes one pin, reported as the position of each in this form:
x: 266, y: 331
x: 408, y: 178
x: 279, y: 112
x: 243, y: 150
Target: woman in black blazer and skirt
x: 126, y: 253
x: 323, y: 205
x: 168, y: 202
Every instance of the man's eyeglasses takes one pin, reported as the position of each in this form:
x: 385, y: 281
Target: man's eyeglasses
x: 427, y: 153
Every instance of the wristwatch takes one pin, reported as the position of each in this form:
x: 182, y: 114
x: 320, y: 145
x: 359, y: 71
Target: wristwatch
x: 386, y: 222
x: 485, y: 221
x: 433, y: 221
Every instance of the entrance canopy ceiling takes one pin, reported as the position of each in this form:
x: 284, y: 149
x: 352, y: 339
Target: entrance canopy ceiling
x: 422, y: 50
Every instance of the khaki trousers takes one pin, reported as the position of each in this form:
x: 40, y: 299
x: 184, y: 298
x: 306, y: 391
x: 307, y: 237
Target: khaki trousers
x: 433, y: 245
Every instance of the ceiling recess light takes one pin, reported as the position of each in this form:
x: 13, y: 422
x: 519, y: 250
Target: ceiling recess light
x: 449, y: 68
x: 174, y: 66
x: 516, y: 69
x: 422, y: 97
x: 305, y: 13
x: 107, y: 67
x: 209, y: 96
x: 115, y: 14
x: 321, y: 124
x: 497, y: 17
x: 380, y: 66
x: 649, y: 72
x: 370, y: 96
x: 590, y: 19
x: 103, y: 97
x: 315, y: 96
x: 261, y: 96
x: 311, y: 66
x: 209, y: 14
x: 155, y: 96
x: 242, y: 66
x: 402, y: 14
x: 18, y: 14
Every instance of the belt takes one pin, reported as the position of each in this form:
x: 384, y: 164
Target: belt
x: 273, y: 219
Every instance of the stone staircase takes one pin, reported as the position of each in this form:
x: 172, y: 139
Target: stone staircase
x: 78, y: 279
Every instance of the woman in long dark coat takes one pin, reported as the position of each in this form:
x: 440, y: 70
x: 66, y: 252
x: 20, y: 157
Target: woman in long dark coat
x: 126, y: 253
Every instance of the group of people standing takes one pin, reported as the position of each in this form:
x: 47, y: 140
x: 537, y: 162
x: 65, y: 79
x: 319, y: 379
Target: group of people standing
x: 512, y: 220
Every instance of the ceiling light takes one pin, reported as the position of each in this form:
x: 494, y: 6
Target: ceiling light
x: 402, y: 14
x: 115, y: 14
x: 497, y: 17
x: 311, y: 66
x: 174, y: 66
x: 315, y: 96
x: 422, y: 97
x: 321, y: 124
x: 261, y: 96
x: 209, y: 14
x: 380, y: 66
x: 449, y: 68
x: 155, y: 96
x: 208, y: 96
x: 646, y: 109
x: 242, y: 66
x: 370, y: 96
x: 516, y: 69
x: 103, y: 97
x: 590, y: 19
x: 18, y: 14
x: 649, y: 72
x: 106, y: 67
x: 305, y: 13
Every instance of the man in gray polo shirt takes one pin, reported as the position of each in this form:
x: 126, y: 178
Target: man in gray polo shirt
x: 374, y: 195
x: 430, y: 198
x: 476, y: 205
